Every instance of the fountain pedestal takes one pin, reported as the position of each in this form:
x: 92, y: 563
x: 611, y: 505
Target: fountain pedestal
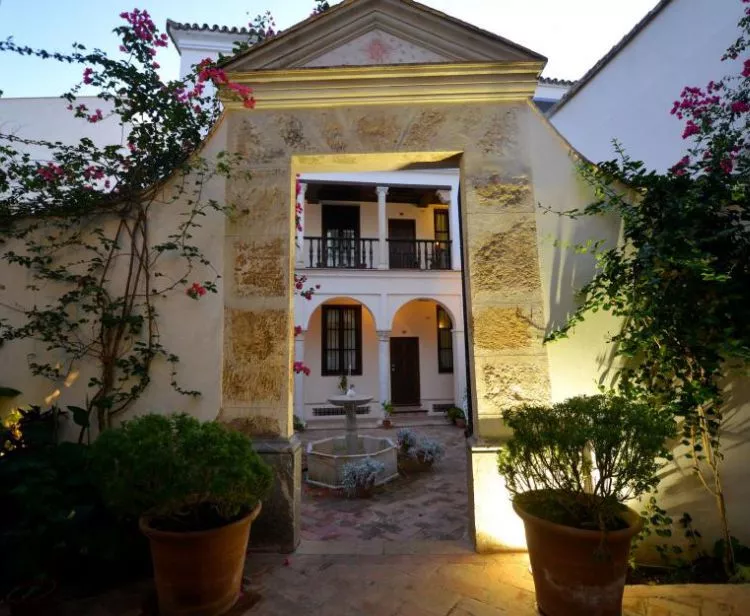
x: 326, y: 458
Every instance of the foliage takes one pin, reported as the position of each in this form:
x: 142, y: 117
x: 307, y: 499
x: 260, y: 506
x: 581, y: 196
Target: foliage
x: 420, y: 448
x: 681, y: 278
x: 577, y: 461
x: 53, y: 523
x: 344, y: 384
x: 360, y: 476
x: 184, y: 474
x: 454, y: 413
x: 387, y: 407
x: 299, y: 424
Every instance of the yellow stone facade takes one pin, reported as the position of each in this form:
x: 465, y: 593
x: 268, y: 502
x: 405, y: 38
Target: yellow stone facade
x: 508, y: 360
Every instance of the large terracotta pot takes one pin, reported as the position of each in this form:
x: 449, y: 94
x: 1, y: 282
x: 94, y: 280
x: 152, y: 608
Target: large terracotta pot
x: 199, y: 573
x: 578, y: 572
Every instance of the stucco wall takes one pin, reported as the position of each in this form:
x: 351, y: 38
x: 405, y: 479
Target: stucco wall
x: 630, y: 99
x: 199, y: 352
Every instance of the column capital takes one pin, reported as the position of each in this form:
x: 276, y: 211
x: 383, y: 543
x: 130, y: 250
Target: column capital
x: 383, y: 335
x: 381, y: 190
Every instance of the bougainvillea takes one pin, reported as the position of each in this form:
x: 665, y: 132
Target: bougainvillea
x: 681, y: 279
x: 77, y: 217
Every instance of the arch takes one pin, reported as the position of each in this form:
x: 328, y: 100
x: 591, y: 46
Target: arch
x: 319, y: 301
x: 451, y: 305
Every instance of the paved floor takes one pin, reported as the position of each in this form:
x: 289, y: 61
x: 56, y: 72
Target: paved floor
x: 427, y: 506
x: 423, y: 583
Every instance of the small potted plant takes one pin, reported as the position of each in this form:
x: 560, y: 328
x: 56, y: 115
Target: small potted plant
x: 387, y: 412
x: 36, y: 598
x: 457, y: 416
x: 571, y: 467
x: 416, y: 454
x: 196, y: 488
x: 358, y: 478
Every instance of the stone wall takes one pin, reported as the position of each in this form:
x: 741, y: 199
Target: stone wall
x: 499, y: 229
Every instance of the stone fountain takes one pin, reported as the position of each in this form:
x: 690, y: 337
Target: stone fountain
x: 326, y: 458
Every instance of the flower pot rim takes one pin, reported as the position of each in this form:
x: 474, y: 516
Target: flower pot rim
x: 149, y: 531
x: 630, y: 516
x: 50, y: 586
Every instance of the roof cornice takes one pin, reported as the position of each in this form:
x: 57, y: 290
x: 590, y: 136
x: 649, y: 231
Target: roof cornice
x: 400, y: 84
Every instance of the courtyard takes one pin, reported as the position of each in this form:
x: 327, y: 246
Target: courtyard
x: 415, y: 579
x: 430, y: 506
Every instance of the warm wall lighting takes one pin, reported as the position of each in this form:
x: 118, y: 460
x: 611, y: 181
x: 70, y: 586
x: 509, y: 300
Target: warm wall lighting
x: 497, y: 527
x: 52, y: 397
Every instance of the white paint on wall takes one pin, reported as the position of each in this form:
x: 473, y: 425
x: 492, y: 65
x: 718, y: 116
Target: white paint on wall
x: 631, y: 97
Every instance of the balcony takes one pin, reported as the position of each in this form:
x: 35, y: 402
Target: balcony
x: 364, y: 253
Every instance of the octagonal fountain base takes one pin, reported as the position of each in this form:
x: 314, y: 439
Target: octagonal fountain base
x: 326, y: 459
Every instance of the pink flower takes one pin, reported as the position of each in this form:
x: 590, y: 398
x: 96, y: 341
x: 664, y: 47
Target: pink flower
x: 726, y: 165
x: 740, y: 107
x: 297, y: 330
x: 301, y: 368
x: 196, y: 291
x: 87, y: 75
x: 690, y: 129
x: 746, y: 69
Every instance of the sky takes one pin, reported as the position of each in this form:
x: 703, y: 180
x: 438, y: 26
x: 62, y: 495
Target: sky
x: 573, y: 34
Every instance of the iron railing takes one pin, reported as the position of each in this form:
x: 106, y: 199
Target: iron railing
x: 419, y: 254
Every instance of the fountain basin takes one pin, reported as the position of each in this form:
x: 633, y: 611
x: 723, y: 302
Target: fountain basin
x: 326, y: 459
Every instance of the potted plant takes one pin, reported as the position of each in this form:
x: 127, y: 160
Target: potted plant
x: 387, y: 412
x: 195, y: 488
x: 457, y: 416
x: 36, y: 598
x: 358, y: 478
x: 416, y: 454
x: 571, y: 467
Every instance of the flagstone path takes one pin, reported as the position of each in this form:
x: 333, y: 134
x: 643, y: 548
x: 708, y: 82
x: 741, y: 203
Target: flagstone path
x: 425, y: 582
x: 426, y: 506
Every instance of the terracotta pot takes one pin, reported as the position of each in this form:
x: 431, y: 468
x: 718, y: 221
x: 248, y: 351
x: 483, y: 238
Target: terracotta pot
x: 578, y: 571
x: 34, y: 600
x: 199, y: 573
x: 387, y: 423
x: 409, y: 465
x: 461, y: 423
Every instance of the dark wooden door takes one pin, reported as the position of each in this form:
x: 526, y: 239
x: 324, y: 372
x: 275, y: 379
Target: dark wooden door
x: 341, y: 236
x: 402, y: 247
x: 405, y: 372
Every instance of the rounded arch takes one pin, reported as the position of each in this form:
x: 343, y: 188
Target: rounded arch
x: 317, y: 301
x: 451, y: 305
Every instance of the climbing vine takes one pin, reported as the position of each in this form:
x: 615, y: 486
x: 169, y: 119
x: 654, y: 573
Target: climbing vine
x: 78, y: 219
x: 681, y: 278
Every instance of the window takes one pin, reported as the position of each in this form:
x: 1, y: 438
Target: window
x: 442, y: 226
x: 444, y: 341
x: 342, y: 340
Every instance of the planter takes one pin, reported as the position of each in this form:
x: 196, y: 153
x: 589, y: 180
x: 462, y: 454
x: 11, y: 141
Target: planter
x: 460, y: 423
x: 34, y: 599
x: 578, y: 571
x: 409, y: 465
x: 199, y: 573
x: 387, y: 423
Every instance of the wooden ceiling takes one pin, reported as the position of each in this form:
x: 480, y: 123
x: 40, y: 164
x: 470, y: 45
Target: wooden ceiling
x: 362, y: 193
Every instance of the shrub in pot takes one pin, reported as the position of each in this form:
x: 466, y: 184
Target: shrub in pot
x: 196, y: 488
x: 415, y: 453
x: 457, y: 416
x: 358, y: 478
x: 571, y: 467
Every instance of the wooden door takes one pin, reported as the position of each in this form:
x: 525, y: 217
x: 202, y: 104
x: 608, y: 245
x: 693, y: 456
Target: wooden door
x: 402, y: 245
x: 405, y: 389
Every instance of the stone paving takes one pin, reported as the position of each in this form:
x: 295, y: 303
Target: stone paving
x: 419, y: 581
x: 426, y: 506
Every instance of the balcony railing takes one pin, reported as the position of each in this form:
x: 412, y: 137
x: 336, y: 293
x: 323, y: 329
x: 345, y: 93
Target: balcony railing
x: 341, y: 253
x: 419, y: 254
x: 363, y: 253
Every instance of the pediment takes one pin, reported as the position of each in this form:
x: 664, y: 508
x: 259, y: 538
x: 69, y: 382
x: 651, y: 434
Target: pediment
x: 380, y: 32
x: 377, y: 47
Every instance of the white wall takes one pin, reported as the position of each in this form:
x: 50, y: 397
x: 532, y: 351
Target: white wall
x: 418, y: 319
x: 630, y: 99
x: 200, y: 353
x: 48, y: 118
